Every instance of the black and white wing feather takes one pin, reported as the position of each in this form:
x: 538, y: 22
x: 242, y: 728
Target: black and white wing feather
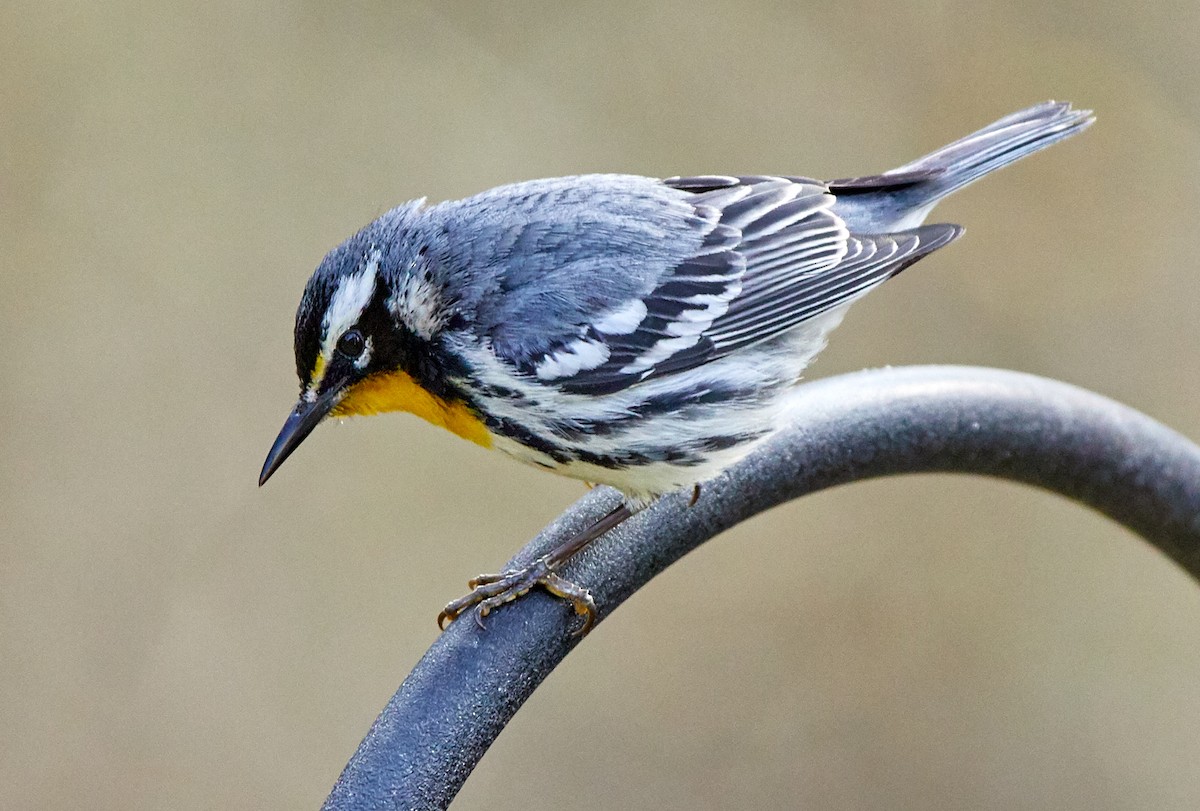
x: 595, y: 283
x: 777, y: 255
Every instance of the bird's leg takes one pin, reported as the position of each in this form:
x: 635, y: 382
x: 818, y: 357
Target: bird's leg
x: 490, y: 591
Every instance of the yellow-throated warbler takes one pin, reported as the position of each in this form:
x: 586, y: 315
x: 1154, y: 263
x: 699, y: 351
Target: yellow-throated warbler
x: 622, y: 330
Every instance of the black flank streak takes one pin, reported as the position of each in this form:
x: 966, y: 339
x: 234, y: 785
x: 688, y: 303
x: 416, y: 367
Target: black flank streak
x: 657, y: 406
x: 685, y: 456
x: 519, y: 433
x: 500, y: 393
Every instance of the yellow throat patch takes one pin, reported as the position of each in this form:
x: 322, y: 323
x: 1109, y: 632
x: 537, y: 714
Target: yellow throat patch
x: 397, y: 391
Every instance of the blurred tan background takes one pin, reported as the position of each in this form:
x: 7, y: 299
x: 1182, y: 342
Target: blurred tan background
x: 173, y: 637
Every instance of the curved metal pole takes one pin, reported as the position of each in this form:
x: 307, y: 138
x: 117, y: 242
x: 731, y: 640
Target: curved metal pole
x: 858, y: 426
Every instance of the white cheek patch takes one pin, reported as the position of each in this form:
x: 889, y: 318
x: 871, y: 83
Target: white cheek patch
x: 417, y: 304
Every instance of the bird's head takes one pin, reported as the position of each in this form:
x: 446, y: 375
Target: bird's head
x: 366, y: 340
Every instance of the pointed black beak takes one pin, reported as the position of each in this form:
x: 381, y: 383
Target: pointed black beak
x: 300, y: 423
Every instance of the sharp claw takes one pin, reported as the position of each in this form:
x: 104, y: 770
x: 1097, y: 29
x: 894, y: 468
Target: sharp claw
x: 490, y: 591
x: 579, y: 597
x: 583, y: 630
x: 587, y: 609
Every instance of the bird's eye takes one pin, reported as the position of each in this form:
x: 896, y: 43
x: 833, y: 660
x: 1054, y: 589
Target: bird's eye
x: 351, y: 344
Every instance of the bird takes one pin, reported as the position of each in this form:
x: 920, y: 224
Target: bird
x: 636, y: 332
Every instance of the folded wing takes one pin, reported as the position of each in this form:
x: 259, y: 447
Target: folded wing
x: 775, y: 255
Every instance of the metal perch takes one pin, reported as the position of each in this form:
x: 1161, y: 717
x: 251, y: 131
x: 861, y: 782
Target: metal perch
x: 859, y: 426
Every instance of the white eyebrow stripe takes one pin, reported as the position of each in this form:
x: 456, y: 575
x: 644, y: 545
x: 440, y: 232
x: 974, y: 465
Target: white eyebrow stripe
x: 353, y: 294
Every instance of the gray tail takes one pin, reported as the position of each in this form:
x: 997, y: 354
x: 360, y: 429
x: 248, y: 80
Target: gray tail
x: 996, y: 145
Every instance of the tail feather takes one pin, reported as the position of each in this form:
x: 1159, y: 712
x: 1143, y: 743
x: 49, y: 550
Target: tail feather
x: 903, y: 197
x: 996, y: 145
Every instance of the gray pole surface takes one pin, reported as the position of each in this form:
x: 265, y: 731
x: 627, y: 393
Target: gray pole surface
x: 858, y: 426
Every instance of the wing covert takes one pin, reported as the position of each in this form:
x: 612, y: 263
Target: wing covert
x: 762, y: 255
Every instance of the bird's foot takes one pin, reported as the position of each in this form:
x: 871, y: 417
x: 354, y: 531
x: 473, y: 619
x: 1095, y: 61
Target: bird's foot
x: 490, y: 591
